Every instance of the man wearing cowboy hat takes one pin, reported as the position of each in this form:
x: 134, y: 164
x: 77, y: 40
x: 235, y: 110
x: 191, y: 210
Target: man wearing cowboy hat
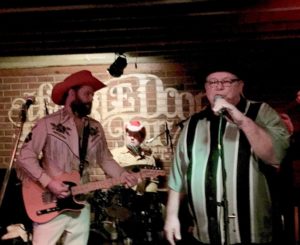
x: 147, y: 219
x: 68, y: 140
x: 132, y: 154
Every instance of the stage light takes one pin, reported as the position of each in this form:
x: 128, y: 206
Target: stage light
x: 116, y: 69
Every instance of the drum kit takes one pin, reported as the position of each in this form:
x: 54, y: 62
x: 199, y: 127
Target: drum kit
x: 124, y: 216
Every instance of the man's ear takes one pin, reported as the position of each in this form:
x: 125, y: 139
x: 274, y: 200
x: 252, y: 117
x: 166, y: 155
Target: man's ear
x: 241, y: 85
x: 70, y: 96
x: 72, y: 93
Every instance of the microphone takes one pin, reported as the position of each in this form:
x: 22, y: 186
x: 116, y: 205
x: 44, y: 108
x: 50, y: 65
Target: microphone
x: 29, y: 101
x: 149, y: 140
x: 134, y: 149
x: 221, y: 111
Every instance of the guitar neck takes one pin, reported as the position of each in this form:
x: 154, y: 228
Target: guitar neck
x: 96, y: 185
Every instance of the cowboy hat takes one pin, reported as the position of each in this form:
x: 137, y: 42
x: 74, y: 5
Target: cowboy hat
x: 136, y: 126
x: 79, y: 78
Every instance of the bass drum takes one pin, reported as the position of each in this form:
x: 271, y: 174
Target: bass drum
x: 110, y: 209
x: 145, y: 225
x: 122, y: 214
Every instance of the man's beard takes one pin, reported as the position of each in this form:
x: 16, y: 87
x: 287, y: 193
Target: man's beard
x: 81, y: 109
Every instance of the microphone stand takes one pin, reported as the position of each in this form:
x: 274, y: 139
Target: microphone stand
x: 8, y: 171
x: 168, y: 137
x: 224, y: 176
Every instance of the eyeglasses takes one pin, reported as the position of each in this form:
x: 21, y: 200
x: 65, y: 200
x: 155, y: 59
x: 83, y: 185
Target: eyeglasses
x: 226, y: 82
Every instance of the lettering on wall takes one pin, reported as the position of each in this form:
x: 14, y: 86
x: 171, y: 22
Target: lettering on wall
x: 134, y: 96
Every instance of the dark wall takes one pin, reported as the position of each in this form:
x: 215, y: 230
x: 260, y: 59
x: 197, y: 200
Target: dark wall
x: 12, y: 209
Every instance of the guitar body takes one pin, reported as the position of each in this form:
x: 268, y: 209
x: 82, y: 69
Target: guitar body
x: 42, y: 206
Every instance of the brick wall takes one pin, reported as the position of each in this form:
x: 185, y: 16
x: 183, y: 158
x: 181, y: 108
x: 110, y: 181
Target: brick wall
x: 155, y: 93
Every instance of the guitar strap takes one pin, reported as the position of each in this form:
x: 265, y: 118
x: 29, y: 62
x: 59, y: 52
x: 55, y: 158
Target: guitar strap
x: 83, y: 147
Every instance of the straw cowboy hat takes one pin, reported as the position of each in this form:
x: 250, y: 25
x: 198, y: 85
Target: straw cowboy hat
x: 79, y: 78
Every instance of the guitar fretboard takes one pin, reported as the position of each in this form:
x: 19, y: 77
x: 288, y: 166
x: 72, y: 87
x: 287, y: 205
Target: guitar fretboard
x: 110, y: 182
x: 96, y: 185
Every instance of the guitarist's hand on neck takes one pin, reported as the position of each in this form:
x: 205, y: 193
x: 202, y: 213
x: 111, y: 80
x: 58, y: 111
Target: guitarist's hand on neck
x: 58, y: 188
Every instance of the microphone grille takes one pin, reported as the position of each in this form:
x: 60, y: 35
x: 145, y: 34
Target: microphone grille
x: 30, y: 98
x: 218, y: 97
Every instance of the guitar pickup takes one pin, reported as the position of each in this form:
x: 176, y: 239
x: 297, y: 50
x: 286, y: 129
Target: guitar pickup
x: 48, y: 210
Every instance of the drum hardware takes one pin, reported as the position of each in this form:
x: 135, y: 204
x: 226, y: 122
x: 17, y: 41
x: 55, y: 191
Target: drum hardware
x: 100, y: 233
x: 136, y: 218
x: 115, y: 231
x: 111, y: 210
x: 128, y: 241
x: 118, y: 212
x: 111, y: 228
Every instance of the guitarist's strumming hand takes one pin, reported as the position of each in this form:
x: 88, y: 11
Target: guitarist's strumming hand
x: 128, y: 179
x: 59, y: 188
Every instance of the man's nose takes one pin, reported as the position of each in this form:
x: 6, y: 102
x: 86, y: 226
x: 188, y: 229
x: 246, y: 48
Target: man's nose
x: 220, y: 85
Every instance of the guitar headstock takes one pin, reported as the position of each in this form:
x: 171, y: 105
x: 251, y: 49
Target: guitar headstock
x: 152, y: 172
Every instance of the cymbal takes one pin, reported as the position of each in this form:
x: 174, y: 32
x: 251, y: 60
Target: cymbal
x: 118, y: 212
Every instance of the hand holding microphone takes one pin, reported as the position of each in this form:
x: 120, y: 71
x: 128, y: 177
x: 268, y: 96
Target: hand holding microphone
x: 218, y: 107
x: 224, y: 108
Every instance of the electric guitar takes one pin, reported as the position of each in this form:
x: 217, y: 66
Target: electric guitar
x: 42, y: 206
